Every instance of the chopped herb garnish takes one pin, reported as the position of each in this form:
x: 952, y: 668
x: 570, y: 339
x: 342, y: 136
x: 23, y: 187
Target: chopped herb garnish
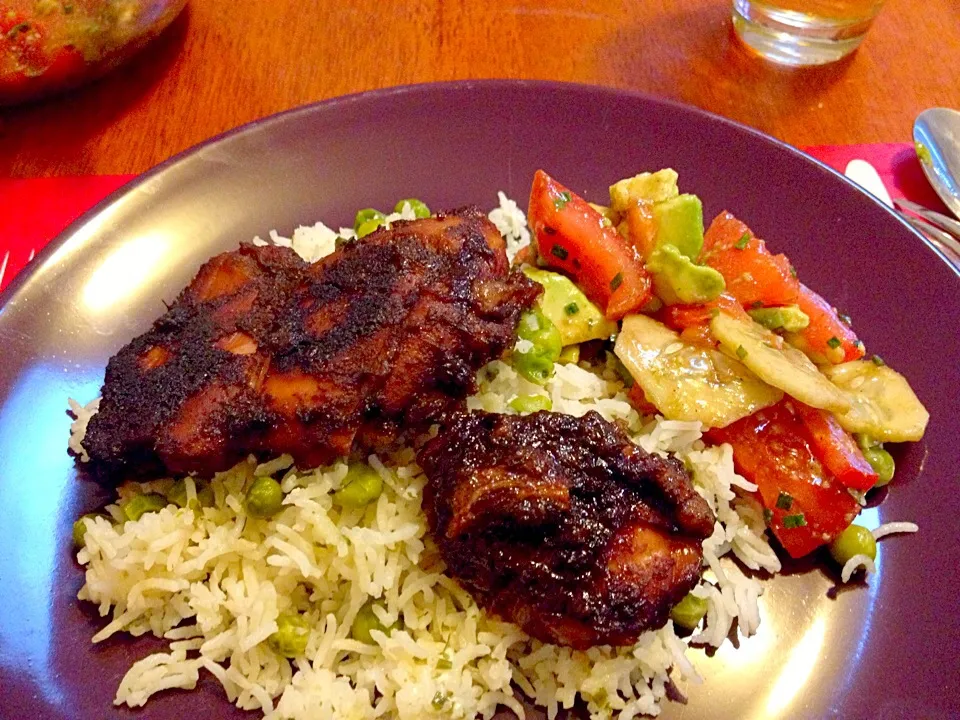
x: 756, y: 304
x: 440, y: 699
x: 616, y: 282
x: 741, y: 352
x: 559, y: 252
x: 793, y: 271
x: 742, y: 242
x: 571, y: 308
x: 784, y: 501
x: 844, y: 318
x: 790, y: 522
x: 560, y: 203
x: 859, y: 345
x: 444, y: 664
x: 16, y: 29
x: 767, y: 515
x: 878, y: 361
x: 834, y: 342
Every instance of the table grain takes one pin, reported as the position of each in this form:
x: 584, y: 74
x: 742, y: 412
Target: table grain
x: 223, y: 63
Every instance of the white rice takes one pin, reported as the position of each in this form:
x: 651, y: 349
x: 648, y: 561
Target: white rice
x: 213, y: 580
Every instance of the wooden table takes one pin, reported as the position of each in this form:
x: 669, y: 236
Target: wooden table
x: 224, y: 63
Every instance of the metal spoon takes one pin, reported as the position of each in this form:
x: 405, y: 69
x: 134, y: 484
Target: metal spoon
x: 936, y: 135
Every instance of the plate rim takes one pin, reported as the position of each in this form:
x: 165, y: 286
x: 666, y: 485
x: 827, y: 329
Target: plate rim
x: 378, y: 95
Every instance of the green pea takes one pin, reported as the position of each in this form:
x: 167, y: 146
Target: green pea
x: 361, y: 486
x: 368, y: 227
x: 367, y: 215
x: 136, y: 506
x: 419, y: 208
x: 855, y: 540
x: 882, y: 462
x: 536, y: 364
x: 290, y: 639
x: 689, y: 612
x: 367, y: 621
x: 177, y: 494
x: 264, y: 498
x: 531, y: 403
x: 80, y: 528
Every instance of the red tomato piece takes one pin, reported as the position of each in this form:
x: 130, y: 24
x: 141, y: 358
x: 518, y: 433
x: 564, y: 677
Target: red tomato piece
x: 806, y: 506
x: 681, y: 317
x: 571, y: 237
x: 753, y: 275
x: 827, y: 336
x: 639, y: 401
x: 836, y: 449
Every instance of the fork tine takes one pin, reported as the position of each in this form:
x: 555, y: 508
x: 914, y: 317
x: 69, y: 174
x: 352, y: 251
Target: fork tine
x: 942, y: 240
x: 939, y: 220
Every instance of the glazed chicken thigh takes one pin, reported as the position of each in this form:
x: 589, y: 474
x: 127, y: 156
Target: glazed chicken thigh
x: 266, y: 354
x: 562, y: 525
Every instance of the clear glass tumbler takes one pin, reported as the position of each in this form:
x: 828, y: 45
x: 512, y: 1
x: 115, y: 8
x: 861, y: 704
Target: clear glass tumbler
x: 803, y: 32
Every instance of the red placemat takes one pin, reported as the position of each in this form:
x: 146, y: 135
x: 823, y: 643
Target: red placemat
x: 34, y: 211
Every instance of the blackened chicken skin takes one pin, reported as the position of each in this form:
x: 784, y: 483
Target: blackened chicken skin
x: 562, y: 525
x: 263, y: 353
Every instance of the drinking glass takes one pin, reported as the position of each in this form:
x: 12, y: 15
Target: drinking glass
x: 803, y: 32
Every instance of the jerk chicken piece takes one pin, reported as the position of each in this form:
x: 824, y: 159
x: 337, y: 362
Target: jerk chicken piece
x: 263, y: 353
x: 562, y: 525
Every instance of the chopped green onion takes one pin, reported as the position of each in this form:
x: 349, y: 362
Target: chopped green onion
x: 571, y: 309
x: 767, y: 515
x: 844, y: 318
x: 561, y: 202
x: 791, y: 522
x: 834, y: 342
x: 784, y: 501
x: 440, y: 699
x: 616, y: 282
x: 878, y: 361
x: 559, y: 252
x: 793, y: 271
x: 741, y: 352
x: 742, y: 242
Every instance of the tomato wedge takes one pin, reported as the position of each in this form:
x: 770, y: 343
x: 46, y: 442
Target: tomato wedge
x: 753, y: 275
x: 681, y: 317
x: 836, y: 449
x: 827, y: 337
x: 571, y: 237
x: 806, y: 505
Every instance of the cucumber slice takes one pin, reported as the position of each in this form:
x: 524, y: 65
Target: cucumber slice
x: 688, y: 382
x: 783, y: 367
x: 882, y: 403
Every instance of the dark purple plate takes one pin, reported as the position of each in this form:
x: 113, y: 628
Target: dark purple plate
x: 884, y: 650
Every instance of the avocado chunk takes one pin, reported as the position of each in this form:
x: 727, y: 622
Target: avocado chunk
x: 677, y: 280
x: 577, y: 319
x: 646, y: 187
x: 789, y: 317
x: 680, y: 223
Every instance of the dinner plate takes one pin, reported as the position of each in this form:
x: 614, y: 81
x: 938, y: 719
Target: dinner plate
x: 883, y: 649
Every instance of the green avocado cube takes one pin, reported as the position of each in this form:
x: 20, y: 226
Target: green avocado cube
x: 680, y: 223
x: 577, y: 319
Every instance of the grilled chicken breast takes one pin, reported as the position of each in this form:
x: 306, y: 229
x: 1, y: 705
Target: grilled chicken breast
x: 562, y: 525
x: 263, y: 353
